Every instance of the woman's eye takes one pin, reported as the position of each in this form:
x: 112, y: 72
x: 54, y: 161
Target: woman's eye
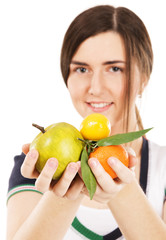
x: 115, y: 69
x: 81, y: 70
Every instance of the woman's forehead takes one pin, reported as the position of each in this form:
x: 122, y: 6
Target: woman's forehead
x: 107, y: 46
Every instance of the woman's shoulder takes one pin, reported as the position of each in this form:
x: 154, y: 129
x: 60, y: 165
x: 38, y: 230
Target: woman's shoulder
x: 18, y: 183
x: 157, y: 149
x: 157, y: 157
x: 156, y: 178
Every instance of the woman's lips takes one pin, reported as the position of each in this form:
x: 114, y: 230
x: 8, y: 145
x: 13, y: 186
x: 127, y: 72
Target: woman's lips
x: 99, y: 107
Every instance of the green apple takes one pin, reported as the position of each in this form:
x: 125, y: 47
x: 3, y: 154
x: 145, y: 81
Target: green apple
x: 59, y: 140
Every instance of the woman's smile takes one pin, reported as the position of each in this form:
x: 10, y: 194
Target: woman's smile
x: 99, y: 106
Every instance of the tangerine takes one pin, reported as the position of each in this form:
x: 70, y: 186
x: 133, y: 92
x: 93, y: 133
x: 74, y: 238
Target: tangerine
x: 95, y: 126
x: 104, y: 152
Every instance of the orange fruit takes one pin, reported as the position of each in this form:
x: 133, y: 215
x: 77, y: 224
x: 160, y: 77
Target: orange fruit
x: 95, y: 126
x: 104, y: 152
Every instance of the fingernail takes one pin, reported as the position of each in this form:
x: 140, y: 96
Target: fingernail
x: 92, y: 162
x: 79, y: 164
x: 32, y: 153
x: 52, y: 163
x: 72, y: 167
x: 112, y: 161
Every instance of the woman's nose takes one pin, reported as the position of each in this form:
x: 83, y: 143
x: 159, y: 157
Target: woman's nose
x: 96, y: 87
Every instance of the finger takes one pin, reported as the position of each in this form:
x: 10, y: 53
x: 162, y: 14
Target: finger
x: 132, y: 157
x: 43, y: 181
x: 99, y: 195
x: 25, y: 148
x: 75, y: 188
x: 28, y: 167
x: 102, y: 177
x: 130, y: 151
x: 85, y: 191
x: 80, y: 172
x: 64, y: 182
x: 123, y: 173
x: 132, y: 162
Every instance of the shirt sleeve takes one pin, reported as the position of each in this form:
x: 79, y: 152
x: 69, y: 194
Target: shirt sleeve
x: 18, y: 183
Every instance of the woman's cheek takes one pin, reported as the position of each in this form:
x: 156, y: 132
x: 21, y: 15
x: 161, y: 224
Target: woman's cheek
x: 75, y: 89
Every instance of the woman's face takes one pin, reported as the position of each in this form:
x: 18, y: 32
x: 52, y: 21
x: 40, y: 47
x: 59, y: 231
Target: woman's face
x: 97, y: 77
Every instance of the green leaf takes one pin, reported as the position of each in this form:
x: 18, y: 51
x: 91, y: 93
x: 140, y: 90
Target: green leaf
x: 87, y: 175
x: 122, y: 138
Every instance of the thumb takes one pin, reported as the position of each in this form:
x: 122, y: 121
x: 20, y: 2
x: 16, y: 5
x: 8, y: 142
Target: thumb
x: 25, y: 148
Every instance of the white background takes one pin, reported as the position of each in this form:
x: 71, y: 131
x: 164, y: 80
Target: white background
x: 31, y: 86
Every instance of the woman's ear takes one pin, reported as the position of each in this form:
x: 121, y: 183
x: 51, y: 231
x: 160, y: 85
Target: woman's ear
x: 144, y: 83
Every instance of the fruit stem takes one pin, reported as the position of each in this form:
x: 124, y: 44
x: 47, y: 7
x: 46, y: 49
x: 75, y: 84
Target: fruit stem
x: 82, y: 140
x: 90, y: 145
x: 39, y: 127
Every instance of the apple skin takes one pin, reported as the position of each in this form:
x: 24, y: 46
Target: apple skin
x: 60, y: 141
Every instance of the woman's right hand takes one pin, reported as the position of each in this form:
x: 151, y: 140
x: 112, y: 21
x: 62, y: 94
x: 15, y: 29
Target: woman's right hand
x: 65, y: 187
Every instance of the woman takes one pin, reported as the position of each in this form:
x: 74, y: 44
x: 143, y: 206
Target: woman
x: 106, y: 62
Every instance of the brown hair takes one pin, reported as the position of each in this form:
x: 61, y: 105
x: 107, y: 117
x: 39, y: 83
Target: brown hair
x: 108, y: 18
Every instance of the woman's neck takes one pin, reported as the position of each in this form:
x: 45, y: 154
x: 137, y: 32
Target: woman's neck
x: 136, y: 145
x: 126, y: 125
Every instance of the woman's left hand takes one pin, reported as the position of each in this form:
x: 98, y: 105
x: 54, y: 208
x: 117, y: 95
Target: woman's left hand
x: 107, y: 187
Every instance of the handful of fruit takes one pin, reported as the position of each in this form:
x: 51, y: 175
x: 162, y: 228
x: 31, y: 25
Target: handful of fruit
x: 64, y: 142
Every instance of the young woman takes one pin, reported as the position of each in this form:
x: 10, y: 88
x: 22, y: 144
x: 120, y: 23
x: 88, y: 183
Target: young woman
x: 106, y: 62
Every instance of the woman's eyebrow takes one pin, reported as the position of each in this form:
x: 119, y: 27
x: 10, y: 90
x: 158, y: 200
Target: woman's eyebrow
x: 105, y: 63
x: 79, y: 63
x: 113, y: 62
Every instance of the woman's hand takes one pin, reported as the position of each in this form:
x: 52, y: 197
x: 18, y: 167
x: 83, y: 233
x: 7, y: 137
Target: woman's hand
x: 107, y: 188
x: 65, y: 187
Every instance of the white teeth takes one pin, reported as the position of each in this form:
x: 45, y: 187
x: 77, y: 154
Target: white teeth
x: 99, y: 105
